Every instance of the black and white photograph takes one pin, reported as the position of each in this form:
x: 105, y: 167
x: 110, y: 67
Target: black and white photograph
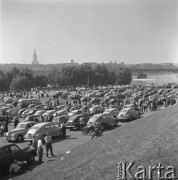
x: 88, y: 89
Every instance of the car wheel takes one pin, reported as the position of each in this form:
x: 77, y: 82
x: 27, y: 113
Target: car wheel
x: 1, y: 171
x: 32, y: 158
x: 131, y: 118
x: 19, y: 138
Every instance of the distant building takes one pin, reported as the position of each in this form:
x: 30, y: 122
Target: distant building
x: 35, y: 60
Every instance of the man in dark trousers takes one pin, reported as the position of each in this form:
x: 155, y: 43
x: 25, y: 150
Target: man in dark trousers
x: 48, y: 141
x: 16, y: 121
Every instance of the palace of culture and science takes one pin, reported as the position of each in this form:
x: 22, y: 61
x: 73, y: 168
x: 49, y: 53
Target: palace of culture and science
x: 35, y: 60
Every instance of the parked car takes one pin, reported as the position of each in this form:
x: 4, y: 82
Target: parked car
x: 19, y: 132
x: 40, y: 112
x: 112, y: 111
x: 10, y: 151
x: 61, y: 107
x: 40, y: 130
x: 31, y: 106
x: 31, y: 112
x: 102, y: 120
x: 57, y: 120
x: 74, y: 112
x: 41, y: 107
x: 60, y: 113
x: 48, y: 115
x: 33, y: 118
x: 96, y: 109
x: 128, y: 114
x: 77, y: 121
x: 19, y: 113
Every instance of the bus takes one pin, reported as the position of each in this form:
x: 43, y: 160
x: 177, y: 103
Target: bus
x: 23, y: 103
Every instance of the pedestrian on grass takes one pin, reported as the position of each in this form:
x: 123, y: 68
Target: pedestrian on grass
x: 48, y: 141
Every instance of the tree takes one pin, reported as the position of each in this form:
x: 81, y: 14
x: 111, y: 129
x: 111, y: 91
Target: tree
x: 123, y: 77
x: 40, y: 81
x: 21, y: 83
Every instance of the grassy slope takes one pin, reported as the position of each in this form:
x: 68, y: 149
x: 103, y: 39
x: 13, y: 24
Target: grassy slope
x: 147, y: 141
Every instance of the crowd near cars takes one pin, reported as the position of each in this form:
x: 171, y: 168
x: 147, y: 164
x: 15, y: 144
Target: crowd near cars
x: 102, y: 107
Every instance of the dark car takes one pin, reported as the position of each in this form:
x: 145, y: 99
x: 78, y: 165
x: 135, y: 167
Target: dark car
x: 77, y: 121
x: 10, y: 151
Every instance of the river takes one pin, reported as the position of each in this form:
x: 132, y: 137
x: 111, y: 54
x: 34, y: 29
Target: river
x: 161, y: 78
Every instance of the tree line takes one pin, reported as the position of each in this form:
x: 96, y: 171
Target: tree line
x: 82, y: 75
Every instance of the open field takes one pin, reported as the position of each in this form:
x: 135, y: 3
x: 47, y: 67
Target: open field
x: 147, y: 141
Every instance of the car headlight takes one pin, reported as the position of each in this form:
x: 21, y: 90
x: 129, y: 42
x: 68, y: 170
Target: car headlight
x: 13, y: 135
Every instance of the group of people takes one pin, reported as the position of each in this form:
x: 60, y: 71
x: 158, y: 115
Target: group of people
x: 39, y: 143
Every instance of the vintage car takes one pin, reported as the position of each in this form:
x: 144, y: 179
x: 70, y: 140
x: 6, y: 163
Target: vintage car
x: 31, y: 118
x: 10, y: 151
x: 74, y: 112
x: 96, y: 109
x: 60, y: 113
x: 77, y: 121
x: 102, y: 120
x: 57, y: 120
x: 19, y: 132
x: 128, y: 114
x: 112, y: 111
x: 48, y: 115
x: 40, y: 130
x: 40, y: 112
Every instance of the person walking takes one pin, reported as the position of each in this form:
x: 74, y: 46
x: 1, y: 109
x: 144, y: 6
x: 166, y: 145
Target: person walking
x: 48, y: 141
x: 40, y: 150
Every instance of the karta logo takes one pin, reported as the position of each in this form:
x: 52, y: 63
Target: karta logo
x: 125, y: 172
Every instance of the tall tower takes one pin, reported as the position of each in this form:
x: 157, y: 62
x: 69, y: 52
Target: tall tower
x: 35, y: 60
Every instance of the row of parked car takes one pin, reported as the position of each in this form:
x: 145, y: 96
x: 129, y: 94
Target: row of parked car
x: 30, y: 128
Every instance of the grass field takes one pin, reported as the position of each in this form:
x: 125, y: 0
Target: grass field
x: 147, y: 141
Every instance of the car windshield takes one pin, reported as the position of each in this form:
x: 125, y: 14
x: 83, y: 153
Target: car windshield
x: 21, y: 126
x: 107, y: 110
x: 124, y: 110
x: 92, y: 119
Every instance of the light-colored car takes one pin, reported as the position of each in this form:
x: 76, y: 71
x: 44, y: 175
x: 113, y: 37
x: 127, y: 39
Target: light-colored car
x: 102, y: 120
x: 19, y: 132
x: 49, y: 113
x: 40, y: 112
x: 60, y: 113
x: 128, y: 114
x: 40, y: 130
x: 112, y: 111
x: 74, y: 112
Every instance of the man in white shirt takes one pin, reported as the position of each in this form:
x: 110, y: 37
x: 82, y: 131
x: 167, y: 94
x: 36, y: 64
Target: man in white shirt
x: 48, y: 141
x: 40, y: 150
x: 17, y: 167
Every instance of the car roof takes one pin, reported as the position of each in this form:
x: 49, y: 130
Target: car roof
x: 110, y: 109
x: 42, y: 124
x: 26, y: 122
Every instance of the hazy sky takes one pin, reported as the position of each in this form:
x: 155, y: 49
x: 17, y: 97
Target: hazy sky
x: 130, y: 31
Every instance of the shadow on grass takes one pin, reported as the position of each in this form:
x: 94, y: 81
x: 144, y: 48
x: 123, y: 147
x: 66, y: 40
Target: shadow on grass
x: 110, y: 129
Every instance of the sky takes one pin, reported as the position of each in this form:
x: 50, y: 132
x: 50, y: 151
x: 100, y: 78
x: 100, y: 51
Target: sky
x: 129, y: 31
